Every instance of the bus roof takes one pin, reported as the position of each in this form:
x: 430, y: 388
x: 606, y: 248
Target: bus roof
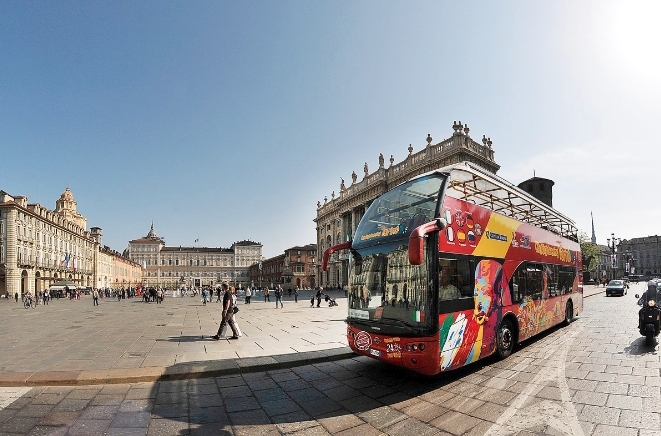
x: 472, y: 183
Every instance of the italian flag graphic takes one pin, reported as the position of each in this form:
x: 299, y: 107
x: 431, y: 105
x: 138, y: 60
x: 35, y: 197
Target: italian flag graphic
x: 418, y: 316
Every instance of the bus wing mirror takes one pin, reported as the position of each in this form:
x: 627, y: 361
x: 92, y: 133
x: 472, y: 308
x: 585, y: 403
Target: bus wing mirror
x: 417, y: 239
x: 331, y: 250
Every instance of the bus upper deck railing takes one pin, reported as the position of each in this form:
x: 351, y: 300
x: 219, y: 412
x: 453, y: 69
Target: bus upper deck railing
x: 470, y: 182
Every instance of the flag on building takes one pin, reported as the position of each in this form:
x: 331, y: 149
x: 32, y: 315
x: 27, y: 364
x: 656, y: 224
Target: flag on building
x: 67, y: 257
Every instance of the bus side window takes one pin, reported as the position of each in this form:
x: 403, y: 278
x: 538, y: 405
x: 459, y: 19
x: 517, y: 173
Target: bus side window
x: 448, y: 284
x: 534, y: 281
x: 566, y: 279
x: 552, y: 280
x: 518, y: 283
x: 465, y: 280
x: 455, y: 278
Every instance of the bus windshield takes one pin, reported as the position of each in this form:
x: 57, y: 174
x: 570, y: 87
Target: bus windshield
x: 387, y: 294
x: 395, y: 214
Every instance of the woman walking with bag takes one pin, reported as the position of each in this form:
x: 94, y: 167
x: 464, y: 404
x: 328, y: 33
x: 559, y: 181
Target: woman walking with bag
x: 229, y: 307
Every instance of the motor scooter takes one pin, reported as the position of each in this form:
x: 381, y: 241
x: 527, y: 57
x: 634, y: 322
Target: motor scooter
x: 649, y: 316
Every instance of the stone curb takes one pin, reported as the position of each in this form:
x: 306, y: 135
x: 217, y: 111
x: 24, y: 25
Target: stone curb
x: 182, y: 371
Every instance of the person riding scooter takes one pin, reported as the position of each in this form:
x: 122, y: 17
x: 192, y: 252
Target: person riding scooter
x: 652, y: 293
x: 649, y: 316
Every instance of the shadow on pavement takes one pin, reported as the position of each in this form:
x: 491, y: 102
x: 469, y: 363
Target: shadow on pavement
x: 195, y: 338
x: 289, y: 399
x: 638, y: 347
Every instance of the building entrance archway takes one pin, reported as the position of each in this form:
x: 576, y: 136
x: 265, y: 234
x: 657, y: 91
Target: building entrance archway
x: 38, y: 282
x: 24, y: 283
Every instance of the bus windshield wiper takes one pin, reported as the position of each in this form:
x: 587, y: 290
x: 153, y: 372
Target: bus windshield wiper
x: 392, y: 321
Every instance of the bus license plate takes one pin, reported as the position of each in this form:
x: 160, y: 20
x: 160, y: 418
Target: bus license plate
x: 376, y: 353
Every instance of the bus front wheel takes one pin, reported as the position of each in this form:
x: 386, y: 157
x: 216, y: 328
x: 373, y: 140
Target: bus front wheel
x: 505, y: 339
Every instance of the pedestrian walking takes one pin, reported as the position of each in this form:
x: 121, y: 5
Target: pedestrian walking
x: 16, y: 297
x: 229, y: 306
x: 46, y: 296
x: 296, y: 295
x: 218, y: 292
x: 159, y: 296
x: 278, y: 296
x: 205, y: 295
x: 267, y: 297
x: 319, y: 292
x: 95, y: 297
x: 248, y: 295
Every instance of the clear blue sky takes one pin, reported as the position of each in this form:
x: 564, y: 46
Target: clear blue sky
x: 230, y: 120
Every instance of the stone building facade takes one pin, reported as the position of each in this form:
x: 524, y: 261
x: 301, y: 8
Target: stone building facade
x: 338, y: 217
x: 112, y: 269
x: 643, y: 254
x: 296, y: 267
x: 39, y: 247
x: 175, y: 267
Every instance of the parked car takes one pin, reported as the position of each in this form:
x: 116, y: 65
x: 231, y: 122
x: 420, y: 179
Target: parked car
x: 616, y: 287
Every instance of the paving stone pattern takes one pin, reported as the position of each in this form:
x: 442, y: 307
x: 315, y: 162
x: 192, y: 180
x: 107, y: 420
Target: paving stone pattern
x: 595, y: 377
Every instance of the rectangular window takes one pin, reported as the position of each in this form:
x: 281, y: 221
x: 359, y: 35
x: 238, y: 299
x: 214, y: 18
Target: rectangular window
x: 455, y: 283
x: 551, y: 272
x: 566, y: 276
x: 518, y: 284
x: 534, y: 280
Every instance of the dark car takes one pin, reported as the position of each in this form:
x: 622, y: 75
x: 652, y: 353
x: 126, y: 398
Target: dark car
x: 616, y: 287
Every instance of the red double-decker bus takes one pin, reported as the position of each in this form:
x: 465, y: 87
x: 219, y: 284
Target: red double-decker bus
x: 456, y: 265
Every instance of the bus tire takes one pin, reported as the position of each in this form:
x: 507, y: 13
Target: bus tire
x: 569, y: 313
x: 505, y: 339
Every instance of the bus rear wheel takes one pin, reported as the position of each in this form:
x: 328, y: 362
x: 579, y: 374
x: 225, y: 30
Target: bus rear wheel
x: 569, y: 313
x: 505, y: 339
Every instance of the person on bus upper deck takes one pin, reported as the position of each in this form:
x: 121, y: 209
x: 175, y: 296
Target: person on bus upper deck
x: 446, y: 290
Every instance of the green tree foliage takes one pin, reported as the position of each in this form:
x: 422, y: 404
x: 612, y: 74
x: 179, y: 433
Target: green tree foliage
x: 589, y: 252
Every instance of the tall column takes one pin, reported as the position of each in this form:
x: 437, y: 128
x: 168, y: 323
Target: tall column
x: 30, y: 282
x: 13, y: 276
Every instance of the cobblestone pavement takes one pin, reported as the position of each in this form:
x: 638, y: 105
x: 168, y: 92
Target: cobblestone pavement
x: 595, y: 377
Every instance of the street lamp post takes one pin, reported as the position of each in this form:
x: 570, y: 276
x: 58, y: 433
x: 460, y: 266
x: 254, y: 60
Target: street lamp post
x: 612, y: 244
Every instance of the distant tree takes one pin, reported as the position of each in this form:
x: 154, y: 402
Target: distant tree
x: 589, y: 252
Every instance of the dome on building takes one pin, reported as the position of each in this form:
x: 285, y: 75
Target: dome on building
x: 66, y: 207
x: 152, y: 234
x: 67, y: 195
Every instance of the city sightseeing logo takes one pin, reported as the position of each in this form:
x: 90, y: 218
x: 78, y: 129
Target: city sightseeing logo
x: 363, y: 341
x: 495, y: 236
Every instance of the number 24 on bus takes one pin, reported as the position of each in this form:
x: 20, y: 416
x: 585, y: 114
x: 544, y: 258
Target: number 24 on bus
x: 456, y: 265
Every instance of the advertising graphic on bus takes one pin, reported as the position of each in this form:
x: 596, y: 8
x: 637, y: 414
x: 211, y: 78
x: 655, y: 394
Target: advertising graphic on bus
x: 456, y: 265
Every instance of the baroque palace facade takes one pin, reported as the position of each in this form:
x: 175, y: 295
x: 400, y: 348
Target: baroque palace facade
x: 338, y: 217
x: 295, y: 268
x: 175, y: 267
x: 40, y: 247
